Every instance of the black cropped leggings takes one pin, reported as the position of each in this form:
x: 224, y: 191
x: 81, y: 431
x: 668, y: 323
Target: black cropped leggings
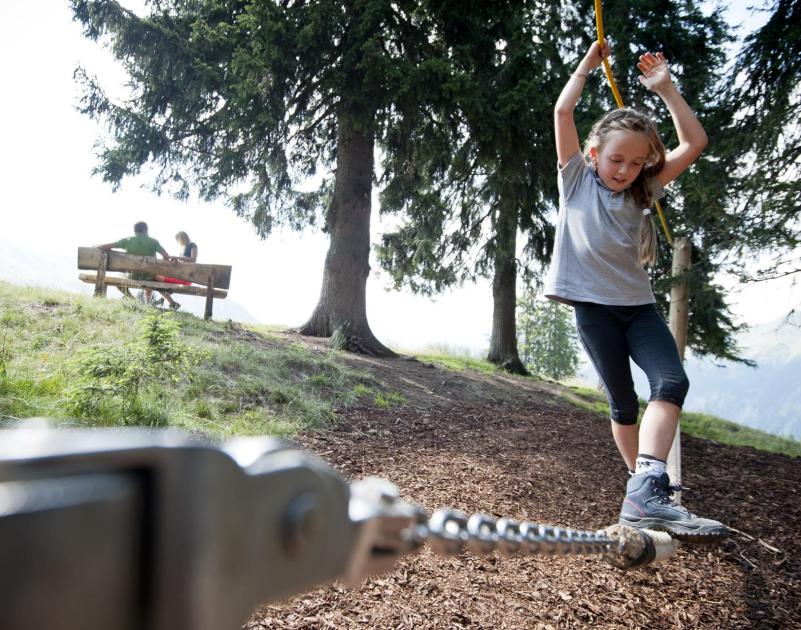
x: 612, y: 334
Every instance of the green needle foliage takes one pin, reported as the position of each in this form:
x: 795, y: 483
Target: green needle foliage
x: 485, y: 166
x: 763, y: 135
x: 484, y: 174
x: 548, y: 342
x: 276, y: 107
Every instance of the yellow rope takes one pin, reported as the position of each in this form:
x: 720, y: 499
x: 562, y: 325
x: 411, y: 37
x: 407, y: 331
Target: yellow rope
x: 599, y: 27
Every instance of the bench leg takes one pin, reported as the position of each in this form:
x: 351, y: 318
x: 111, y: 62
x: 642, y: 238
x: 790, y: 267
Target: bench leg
x: 100, y: 281
x: 209, y: 297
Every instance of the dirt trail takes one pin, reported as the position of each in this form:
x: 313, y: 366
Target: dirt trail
x: 504, y: 446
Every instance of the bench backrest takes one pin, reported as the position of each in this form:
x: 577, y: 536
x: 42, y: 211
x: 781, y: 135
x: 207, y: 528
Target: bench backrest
x: 199, y: 273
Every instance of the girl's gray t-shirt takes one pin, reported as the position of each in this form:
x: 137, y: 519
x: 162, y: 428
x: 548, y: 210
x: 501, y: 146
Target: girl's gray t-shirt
x: 596, y: 249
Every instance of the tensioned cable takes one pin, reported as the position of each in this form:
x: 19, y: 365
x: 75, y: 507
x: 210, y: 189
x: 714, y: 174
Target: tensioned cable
x: 599, y: 27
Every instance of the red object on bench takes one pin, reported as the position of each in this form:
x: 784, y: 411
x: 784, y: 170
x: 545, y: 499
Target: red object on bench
x: 176, y: 281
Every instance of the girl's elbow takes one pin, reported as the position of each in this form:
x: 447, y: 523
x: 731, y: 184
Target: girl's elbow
x: 563, y: 111
x: 703, y: 142
x: 697, y: 145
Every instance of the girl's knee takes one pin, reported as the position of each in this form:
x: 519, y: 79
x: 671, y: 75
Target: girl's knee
x: 671, y: 387
x: 624, y: 419
x: 625, y: 412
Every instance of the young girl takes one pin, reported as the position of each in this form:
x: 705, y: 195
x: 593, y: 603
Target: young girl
x: 189, y: 255
x: 605, y: 235
x: 189, y: 248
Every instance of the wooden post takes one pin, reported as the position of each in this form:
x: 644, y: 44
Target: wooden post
x: 679, y: 315
x: 100, y: 282
x: 209, y: 297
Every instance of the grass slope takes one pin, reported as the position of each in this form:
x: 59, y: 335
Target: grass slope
x: 239, y: 381
x: 61, y: 357
x: 696, y: 424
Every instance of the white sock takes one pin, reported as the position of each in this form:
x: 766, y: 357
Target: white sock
x: 648, y: 464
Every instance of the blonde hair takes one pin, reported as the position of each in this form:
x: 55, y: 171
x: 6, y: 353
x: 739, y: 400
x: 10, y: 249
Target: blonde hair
x: 627, y: 119
x: 183, y: 238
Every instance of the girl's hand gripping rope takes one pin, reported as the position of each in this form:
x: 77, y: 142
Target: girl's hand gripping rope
x: 595, y: 56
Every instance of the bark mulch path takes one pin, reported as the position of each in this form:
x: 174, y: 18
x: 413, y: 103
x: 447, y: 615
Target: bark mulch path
x: 509, y: 448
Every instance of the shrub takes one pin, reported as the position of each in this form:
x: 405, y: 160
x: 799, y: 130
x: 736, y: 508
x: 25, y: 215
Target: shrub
x: 111, y: 380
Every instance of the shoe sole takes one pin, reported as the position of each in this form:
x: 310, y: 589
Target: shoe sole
x: 679, y: 531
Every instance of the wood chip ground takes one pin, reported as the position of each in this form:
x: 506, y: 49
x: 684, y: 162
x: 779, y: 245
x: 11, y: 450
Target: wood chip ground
x: 508, y: 447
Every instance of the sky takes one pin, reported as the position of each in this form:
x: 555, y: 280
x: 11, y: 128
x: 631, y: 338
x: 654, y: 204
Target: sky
x: 50, y: 201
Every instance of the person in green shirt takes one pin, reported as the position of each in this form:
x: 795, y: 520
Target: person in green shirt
x: 140, y: 244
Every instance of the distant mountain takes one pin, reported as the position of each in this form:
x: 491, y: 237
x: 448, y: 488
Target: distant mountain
x: 23, y: 267
x: 767, y: 397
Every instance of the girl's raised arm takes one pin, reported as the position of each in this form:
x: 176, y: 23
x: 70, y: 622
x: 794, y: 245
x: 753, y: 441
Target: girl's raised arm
x: 692, y: 137
x: 567, y: 140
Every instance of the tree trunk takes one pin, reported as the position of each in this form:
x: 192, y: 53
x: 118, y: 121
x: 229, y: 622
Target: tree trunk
x: 503, y: 342
x: 341, y: 311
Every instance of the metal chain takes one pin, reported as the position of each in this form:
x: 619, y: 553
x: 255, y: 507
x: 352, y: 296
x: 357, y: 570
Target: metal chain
x: 449, y: 532
x: 393, y: 528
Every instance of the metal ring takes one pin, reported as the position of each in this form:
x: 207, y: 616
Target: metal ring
x: 509, y: 538
x: 482, y: 534
x: 448, y: 531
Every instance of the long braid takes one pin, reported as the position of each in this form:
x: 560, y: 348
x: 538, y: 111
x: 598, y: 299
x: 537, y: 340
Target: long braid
x: 647, y: 251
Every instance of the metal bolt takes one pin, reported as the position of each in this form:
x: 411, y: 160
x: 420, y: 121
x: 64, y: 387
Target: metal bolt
x: 303, y: 521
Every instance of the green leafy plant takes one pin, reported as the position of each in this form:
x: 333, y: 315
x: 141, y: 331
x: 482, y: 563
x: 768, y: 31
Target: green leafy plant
x: 111, y: 379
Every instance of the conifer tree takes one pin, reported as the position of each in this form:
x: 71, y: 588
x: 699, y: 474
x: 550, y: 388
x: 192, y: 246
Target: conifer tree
x: 509, y: 62
x: 249, y: 100
x: 763, y: 136
x: 548, y: 340
x: 494, y: 175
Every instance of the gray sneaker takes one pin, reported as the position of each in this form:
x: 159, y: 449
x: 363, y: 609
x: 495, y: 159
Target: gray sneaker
x: 648, y: 505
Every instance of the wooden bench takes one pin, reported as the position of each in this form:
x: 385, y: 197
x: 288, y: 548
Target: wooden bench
x: 209, y: 280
